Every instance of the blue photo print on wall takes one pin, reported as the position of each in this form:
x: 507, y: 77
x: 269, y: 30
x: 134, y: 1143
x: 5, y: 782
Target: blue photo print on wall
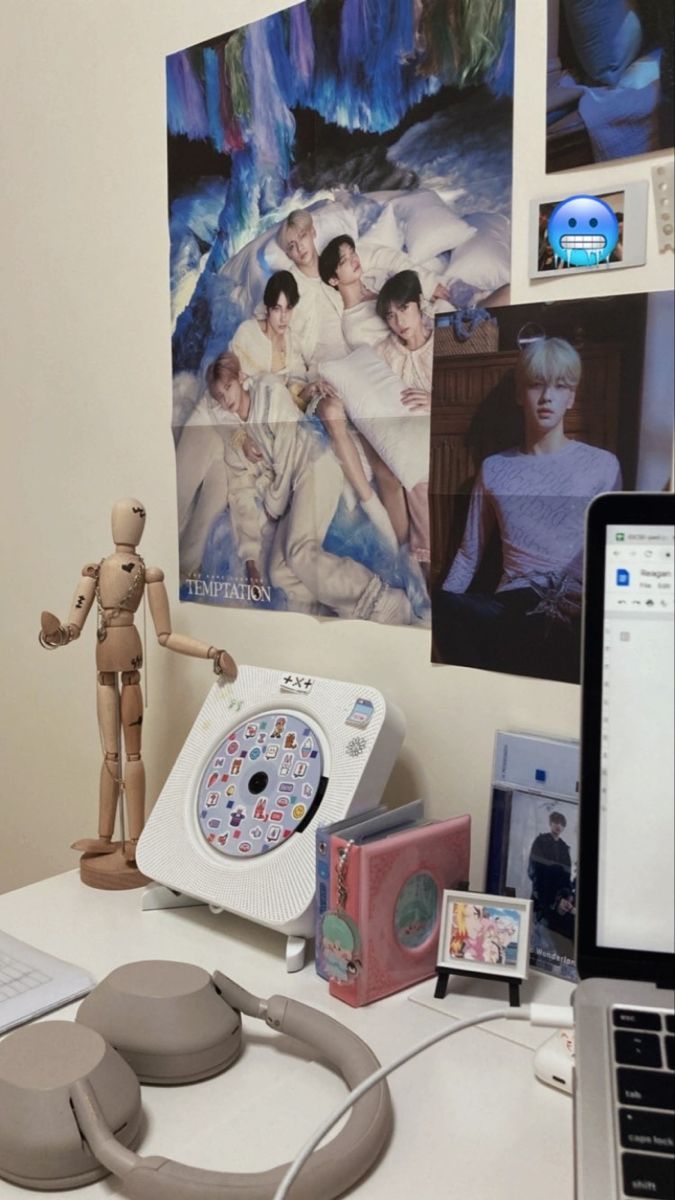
x: 326, y: 164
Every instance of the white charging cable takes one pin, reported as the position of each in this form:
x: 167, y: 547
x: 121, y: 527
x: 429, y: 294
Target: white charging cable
x: 555, y: 1016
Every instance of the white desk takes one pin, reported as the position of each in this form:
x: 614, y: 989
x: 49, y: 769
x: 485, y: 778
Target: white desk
x: 471, y: 1120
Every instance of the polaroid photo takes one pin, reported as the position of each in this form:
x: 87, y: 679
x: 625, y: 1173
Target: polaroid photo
x: 609, y: 86
x: 484, y: 934
x: 593, y: 232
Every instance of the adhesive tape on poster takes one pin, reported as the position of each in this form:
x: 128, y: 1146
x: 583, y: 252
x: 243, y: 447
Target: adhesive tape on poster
x: 664, y: 196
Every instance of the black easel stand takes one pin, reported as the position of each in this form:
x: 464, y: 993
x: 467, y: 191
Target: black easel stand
x: 443, y: 974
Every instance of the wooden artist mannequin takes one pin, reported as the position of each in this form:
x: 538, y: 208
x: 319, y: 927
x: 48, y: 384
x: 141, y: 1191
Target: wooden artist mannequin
x: 117, y: 584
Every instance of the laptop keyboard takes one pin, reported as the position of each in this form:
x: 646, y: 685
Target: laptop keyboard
x: 33, y: 982
x: 644, y: 1063
x: 17, y: 977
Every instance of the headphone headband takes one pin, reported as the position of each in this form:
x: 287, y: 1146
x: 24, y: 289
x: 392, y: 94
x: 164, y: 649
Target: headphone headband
x: 329, y: 1172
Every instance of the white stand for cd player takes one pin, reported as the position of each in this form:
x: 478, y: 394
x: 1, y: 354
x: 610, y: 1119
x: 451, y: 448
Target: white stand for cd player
x: 156, y: 896
x: 269, y: 759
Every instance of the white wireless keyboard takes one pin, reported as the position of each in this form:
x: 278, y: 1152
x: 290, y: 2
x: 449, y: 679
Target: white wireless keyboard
x: 33, y: 983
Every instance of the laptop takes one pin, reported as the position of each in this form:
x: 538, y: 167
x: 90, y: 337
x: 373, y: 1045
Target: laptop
x: 33, y: 982
x: 624, y: 1081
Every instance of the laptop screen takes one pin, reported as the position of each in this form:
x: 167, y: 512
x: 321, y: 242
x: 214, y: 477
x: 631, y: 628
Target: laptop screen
x: 626, y: 925
x: 636, y: 864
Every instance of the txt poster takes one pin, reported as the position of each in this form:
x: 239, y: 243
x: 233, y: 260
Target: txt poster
x: 339, y: 175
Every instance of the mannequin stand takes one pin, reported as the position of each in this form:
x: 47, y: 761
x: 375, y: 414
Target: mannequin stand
x: 110, y: 872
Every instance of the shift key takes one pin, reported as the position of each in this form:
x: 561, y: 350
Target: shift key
x: 647, y: 1175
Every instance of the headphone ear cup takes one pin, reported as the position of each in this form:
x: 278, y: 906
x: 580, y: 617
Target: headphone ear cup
x: 167, y: 1019
x: 41, y: 1145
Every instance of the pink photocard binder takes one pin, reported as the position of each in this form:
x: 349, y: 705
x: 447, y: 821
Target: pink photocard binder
x: 381, y: 933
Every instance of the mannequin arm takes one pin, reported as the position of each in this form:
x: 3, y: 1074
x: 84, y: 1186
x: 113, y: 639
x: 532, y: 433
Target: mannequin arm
x: 158, y: 601
x: 52, y: 632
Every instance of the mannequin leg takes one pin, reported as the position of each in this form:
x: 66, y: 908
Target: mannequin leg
x: 107, y: 711
x: 131, y: 708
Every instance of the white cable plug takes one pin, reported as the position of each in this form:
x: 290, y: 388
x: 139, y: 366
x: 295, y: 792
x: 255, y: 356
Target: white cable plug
x: 559, y: 1015
x: 553, y: 1015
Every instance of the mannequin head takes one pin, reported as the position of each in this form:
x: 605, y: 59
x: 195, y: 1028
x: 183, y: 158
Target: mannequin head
x: 127, y: 522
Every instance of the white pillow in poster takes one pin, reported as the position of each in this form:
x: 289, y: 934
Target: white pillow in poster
x: 331, y: 220
x: 437, y: 266
x: 386, y: 230
x: 371, y: 394
x: 275, y: 258
x: 485, y: 261
x: 246, y: 272
x: 430, y: 227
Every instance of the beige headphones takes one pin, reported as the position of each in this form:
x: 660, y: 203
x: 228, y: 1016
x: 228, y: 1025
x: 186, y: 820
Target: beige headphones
x: 70, y: 1100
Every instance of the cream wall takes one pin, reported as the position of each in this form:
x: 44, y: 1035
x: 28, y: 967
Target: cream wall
x: 86, y: 401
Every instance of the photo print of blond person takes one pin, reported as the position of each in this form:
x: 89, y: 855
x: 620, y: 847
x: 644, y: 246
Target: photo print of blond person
x: 576, y: 400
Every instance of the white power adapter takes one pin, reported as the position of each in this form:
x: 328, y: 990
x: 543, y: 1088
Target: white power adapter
x: 554, y: 1061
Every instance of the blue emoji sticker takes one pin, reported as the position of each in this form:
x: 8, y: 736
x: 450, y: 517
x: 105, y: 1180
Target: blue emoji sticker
x: 583, y: 231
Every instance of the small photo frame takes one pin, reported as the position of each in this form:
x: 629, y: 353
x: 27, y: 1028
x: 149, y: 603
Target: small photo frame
x: 594, y: 232
x: 483, y: 934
